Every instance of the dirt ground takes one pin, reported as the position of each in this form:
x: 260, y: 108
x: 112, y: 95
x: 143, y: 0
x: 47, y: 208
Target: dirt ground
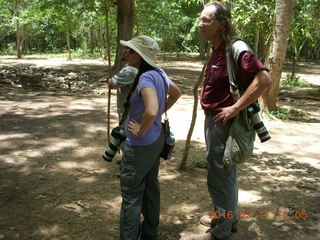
x: 54, y: 184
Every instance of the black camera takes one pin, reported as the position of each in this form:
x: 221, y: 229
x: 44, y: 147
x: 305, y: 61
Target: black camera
x: 258, y: 125
x: 118, y: 134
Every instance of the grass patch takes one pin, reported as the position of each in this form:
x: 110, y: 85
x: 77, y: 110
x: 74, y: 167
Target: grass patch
x: 198, y: 162
x: 293, y: 82
x: 287, y: 114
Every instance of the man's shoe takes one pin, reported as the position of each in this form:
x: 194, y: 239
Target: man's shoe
x: 211, y: 222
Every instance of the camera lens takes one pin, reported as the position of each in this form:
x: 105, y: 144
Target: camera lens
x: 111, y: 150
x: 119, y: 136
x: 260, y: 128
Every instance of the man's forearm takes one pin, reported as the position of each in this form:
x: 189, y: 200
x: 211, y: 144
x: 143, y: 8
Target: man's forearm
x: 260, y: 83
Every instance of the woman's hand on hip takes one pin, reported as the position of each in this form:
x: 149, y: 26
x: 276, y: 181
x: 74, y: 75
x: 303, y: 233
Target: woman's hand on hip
x: 134, y: 128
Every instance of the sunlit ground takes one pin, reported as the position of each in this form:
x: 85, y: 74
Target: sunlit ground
x: 54, y: 184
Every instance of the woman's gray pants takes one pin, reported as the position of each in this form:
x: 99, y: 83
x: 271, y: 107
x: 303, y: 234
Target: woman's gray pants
x: 222, y: 180
x: 140, y: 191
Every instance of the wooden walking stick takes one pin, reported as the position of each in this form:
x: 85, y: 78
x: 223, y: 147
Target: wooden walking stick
x: 109, y: 69
x: 108, y: 121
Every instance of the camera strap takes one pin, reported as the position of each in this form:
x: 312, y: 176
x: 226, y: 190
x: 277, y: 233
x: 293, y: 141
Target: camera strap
x: 126, y: 104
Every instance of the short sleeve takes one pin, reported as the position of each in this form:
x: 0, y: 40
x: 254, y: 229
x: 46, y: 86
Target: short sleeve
x: 249, y: 65
x: 145, y: 81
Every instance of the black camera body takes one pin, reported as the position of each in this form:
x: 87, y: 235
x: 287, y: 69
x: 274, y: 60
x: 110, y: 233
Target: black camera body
x: 118, y: 134
x: 253, y: 111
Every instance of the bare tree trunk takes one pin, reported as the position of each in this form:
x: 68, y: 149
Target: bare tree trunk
x: 136, y: 21
x: 262, y: 44
x: 19, y: 41
x: 193, y: 120
x: 294, y: 62
x: 295, y: 58
x: 102, y: 42
x: 18, y: 32
x: 91, y: 38
x: 278, y: 50
x: 256, y: 42
x: 203, y: 49
x: 69, y: 47
x: 125, y: 26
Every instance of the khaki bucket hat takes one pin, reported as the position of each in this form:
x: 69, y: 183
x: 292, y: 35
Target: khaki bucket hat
x: 145, y: 46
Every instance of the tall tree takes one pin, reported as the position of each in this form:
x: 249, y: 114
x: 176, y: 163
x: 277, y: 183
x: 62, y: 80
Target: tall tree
x: 125, y: 25
x: 278, y: 47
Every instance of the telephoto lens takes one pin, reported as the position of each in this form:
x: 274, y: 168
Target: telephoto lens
x: 119, y: 136
x: 258, y: 125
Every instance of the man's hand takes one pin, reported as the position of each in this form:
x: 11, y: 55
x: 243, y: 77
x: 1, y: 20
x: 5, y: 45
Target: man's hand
x: 225, y: 114
x: 134, y: 128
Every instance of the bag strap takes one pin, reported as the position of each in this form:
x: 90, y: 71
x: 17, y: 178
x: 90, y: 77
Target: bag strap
x: 233, y: 51
x: 126, y: 105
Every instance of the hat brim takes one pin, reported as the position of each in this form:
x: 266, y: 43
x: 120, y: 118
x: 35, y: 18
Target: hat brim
x: 133, y: 47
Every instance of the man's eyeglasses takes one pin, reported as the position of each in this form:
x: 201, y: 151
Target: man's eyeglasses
x: 206, y: 20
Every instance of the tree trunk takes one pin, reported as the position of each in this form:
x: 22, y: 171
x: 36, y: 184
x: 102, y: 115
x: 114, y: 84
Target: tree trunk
x: 294, y: 63
x: 262, y: 44
x: 91, y: 38
x: 108, y: 40
x: 295, y: 58
x: 19, y: 41
x: 278, y: 50
x: 125, y: 26
x: 203, y: 49
x: 193, y: 120
x: 136, y: 21
x: 256, y: 42
x: 102, y: 42
x: 18, y: 32
x: 68, y: 43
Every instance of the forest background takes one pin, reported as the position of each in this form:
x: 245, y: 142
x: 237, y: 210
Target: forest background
x: 88, y: 27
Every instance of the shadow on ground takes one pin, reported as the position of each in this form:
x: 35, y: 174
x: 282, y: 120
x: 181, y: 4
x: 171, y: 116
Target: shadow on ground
x: 55, y: 185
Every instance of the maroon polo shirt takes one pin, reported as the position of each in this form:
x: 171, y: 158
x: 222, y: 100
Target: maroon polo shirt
x: 216, y: 88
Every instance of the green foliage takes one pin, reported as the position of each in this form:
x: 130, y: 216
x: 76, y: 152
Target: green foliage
x: 198, y: 162
x: 286, y: 114
x: 280, y: 113
x: 293, y: 82
x: 305, y: 30
x: 251, y: 15
x: 170, y: 22
x: 85, y: 53
x: 174, y: 23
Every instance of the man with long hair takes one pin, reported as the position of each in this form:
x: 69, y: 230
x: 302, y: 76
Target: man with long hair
x: 220, y: 108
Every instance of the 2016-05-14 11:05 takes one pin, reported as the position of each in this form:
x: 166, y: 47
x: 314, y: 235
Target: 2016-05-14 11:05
x: 262, y: 214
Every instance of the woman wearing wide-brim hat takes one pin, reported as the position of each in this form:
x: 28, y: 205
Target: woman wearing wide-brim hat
x: 144, y: 141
